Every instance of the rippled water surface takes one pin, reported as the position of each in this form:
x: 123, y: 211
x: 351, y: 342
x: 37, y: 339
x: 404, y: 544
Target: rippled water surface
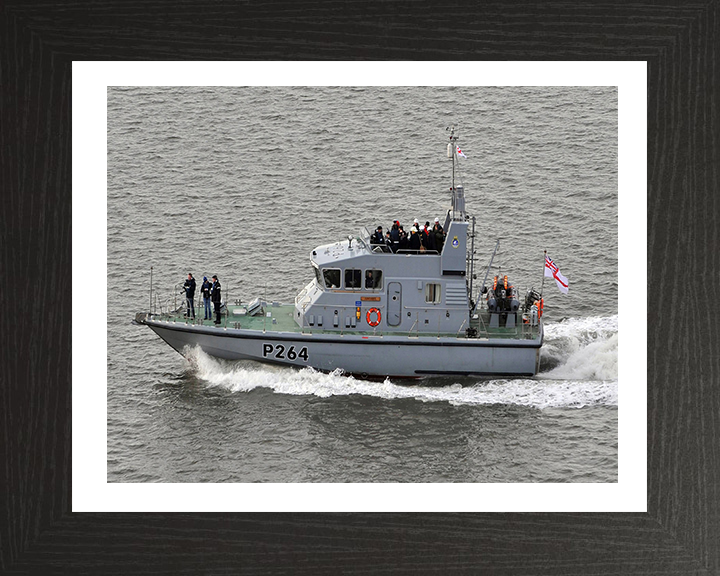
x: 245, y: 182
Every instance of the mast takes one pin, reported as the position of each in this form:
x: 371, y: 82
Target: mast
x: 472, y: 260
x: 150, y: 310
x: 452, y: 154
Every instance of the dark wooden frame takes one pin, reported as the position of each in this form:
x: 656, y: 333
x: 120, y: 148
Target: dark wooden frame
x: 681, y: 530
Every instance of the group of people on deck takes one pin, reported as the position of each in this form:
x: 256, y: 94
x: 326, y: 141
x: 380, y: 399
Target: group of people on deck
x: 421, y: 238
x: 210, y: 292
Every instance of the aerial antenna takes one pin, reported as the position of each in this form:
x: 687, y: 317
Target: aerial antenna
x: 452, y: 154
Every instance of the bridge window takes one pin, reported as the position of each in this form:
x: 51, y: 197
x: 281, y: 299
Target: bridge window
x: 318, y: 276
x: 373, y: 279
x: 352, y: 279
x: 432, y: 293
x: 332, y: 277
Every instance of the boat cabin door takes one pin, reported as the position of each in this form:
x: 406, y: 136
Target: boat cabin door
x: 394, y: 304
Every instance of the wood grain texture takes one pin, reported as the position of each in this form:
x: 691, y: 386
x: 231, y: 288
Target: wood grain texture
x: 681, y: 531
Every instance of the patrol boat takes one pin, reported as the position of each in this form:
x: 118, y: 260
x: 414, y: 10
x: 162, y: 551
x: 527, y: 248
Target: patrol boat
x: 375, y: 311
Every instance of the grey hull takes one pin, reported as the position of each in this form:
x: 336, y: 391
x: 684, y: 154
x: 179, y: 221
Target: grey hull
x: 399, y: 356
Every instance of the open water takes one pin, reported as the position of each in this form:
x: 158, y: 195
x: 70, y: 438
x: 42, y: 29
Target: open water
x: 245, y: 182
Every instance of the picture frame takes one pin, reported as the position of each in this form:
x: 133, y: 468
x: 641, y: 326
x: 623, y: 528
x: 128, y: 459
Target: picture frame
x: 681, y: 530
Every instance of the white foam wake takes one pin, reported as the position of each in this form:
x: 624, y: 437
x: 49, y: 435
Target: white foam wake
x: 581, y: 349
x: 247, y: 376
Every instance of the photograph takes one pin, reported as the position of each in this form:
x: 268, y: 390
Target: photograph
x: 289, y: 379
x: 362, y: 284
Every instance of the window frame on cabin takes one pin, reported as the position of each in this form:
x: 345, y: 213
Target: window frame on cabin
x: 377, y: 279
x: 357, y: 280
x: 325, y: 272
x: 433, y: 293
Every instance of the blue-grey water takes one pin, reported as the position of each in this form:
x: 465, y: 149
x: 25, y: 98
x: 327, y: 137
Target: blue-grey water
x: 245, y: 182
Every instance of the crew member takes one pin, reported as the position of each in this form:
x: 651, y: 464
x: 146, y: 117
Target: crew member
x: 215, y: 297
x: 377, y: 236
x: 205, y: 289
x: 395, y: 237
x: 189, y: 287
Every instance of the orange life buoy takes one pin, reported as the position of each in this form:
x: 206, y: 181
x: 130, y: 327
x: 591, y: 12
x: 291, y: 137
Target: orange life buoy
x: 495, y: 283
x: 373, y: 323
x: 505, y: 281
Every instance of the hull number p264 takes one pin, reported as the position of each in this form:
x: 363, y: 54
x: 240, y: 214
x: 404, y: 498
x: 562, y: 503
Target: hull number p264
x: 283, y: 353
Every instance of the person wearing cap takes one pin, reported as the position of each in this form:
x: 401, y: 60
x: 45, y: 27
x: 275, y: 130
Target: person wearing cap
x: 215, y: 297
x: 189, y: 288
x: 414, y: 242
x: 377, y: 236
x: 395, y: 237
x: 205, y: 289
x: 439, y: 235
x: 404, y: 240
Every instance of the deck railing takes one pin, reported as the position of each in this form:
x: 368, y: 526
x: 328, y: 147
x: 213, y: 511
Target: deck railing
x: 523, y: 330
x: 171, y: 307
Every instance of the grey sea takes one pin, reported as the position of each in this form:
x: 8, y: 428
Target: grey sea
x: 244, y: 183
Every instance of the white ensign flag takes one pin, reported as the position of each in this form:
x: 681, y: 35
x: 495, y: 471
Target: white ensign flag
x: 554, y: 272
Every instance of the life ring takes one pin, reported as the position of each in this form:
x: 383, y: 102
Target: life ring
x: 373, y: 323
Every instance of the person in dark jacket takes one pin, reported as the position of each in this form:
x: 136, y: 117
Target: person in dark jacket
x: 377, y: 236
x: 205, y: 289
x: 430, y: 236
x: 423, y: 238
x: 439, y: 235
x: 414, y: 239
x: 395, y: 237
x: 216, y: 298
x: 404, y: 244
x: 189, y: 287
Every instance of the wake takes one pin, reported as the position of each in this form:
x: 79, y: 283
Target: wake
x: 578, y: 369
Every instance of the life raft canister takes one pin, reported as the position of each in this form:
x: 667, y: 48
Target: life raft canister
x: 375, y: 322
